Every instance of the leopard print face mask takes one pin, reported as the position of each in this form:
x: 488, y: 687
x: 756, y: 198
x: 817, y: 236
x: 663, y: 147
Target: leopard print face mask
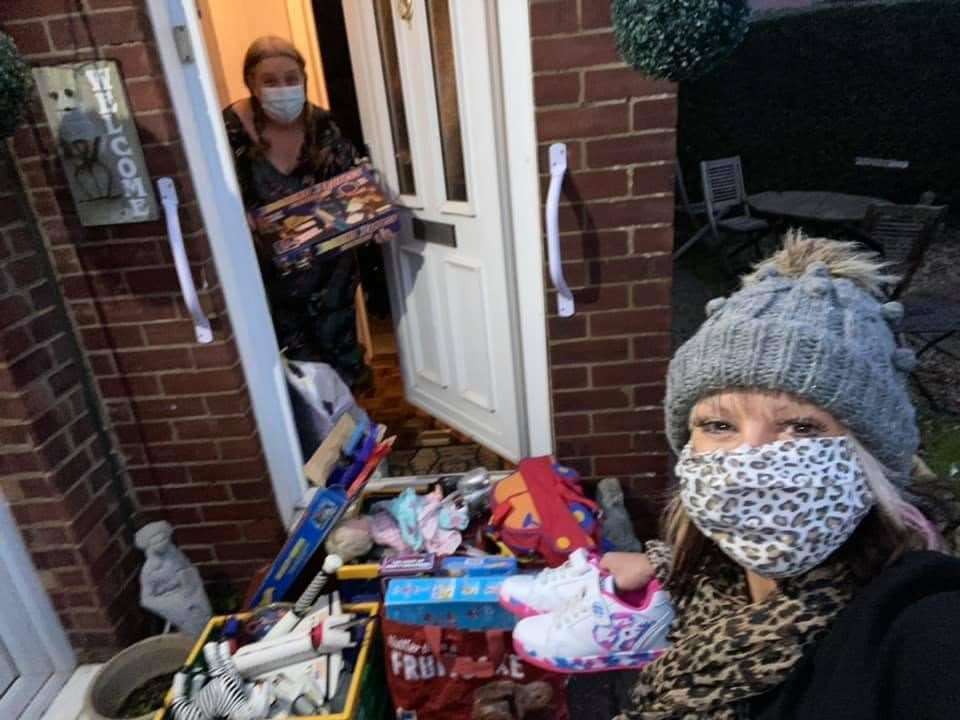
x: 779, y: 509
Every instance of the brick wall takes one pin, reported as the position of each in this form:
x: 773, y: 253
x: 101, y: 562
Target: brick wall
x: 178, y: 413
x: 616, y: 221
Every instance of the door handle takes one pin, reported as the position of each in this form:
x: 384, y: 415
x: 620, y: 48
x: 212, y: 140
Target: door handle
x: 558, y: 167
x: 171, y: 203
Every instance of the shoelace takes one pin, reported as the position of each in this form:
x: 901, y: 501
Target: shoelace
x: 572, y: 611
x: 568, y: 569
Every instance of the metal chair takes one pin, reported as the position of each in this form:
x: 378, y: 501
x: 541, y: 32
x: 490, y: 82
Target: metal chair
x: 723, y: 194
x: 905, y: 233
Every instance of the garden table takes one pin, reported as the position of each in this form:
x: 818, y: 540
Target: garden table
x: 814, y: 206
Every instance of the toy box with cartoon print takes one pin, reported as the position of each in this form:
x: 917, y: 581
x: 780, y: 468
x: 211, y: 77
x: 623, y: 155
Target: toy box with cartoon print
x: 465, y: 603
x: 335, y: 215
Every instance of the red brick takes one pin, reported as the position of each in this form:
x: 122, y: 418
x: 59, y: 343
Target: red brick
x: 159, y: 475
x: 587, y: 351
x: 229, y: 404
x: 237, y: 511
x: 236, y: 449
x: 246, y: 550
x: 30, y: 513
x: 658, y: 345
x: 630, y: 322
x: 650, y: 114
x: 169, y: 408
x: 590, y: 400
x: 30, y: 367
x: 628, y: 269
x: 582, y: 465
x: 622, y: 213
x: 12, y: 310
x: 620, y: 83
x: 594, y: 245
x: 595, y: 445
x: 25, y: 271
x: 208, y: 381
x: 227, y: 471
x: 135, y: 310
x: 631, y: 149
x: 98, y: 285
x: 193, y: 494
x: 208, y: 534
x: 214, y: 427
x: 161, y: 160
x: 594, y: 185
x: 215, y: 355
x: 64, y: 379
x: 565, y: 378
x: 157, y: 127
x: 15, y: 342
x: 567, y: 328
x: 129, y: 386
x: 595, y: 14
x: 648, y: 395
x: 144, y: 432
x: 135, y: 62
x: 116, y: 256
x: 101, y: 28
x: 582, y: 122
x: 631, y: 464
x: 49, y: 559
x: 30, y: 38
x: 633, y: 373
x: 648, y: 294
x: 651, y: 442
x: 566, y: 53
x: 571, y: 425
x: 117, y: 336
x: 628, y: 421
x: 181, y: 452
x: 602, y: 297
x: 265, y: 530
x: 553, y: 18
x: 649, y: 240
x: 170, y: 333
x: 556, y: 89
x: 141, y: 361
x: 259, y: 490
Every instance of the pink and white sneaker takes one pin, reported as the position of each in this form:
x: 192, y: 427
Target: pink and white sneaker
x: 550, y: 589
x: 598, y: 631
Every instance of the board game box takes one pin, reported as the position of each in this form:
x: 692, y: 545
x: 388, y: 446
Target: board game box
x: 333, y: 216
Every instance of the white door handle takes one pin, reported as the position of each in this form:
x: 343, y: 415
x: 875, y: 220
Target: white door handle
x: 171, y: 203
x: 558, y: 167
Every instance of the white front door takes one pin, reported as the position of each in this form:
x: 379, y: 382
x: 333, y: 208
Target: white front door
x: 35, y: 658
x: 427, y: 85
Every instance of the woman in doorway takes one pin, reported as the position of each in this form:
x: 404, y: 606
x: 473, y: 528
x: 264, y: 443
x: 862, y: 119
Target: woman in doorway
x: 282, y: 143
x: 789, y: 545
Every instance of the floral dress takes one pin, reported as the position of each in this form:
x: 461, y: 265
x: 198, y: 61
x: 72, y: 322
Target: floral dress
x: 313, y: 308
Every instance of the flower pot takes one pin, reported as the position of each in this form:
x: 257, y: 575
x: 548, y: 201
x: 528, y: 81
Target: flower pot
x: 131, y: 668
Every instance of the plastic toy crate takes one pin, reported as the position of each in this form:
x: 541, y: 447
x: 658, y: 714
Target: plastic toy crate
x: 358, y: 678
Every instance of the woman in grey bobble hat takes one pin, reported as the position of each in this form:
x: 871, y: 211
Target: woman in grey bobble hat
x: 797, y: 570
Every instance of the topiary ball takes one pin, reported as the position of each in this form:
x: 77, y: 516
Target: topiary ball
x: 15, y: 85
x: 678, y: 39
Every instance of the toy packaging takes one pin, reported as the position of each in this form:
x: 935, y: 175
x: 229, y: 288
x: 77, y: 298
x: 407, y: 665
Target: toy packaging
x: 332, y: 216
x: 468, y: 603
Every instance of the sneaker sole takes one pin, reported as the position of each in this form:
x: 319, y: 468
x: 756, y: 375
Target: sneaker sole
x: 583, y: 666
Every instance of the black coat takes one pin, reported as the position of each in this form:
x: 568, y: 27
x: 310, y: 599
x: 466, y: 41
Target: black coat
x: 893, y: 653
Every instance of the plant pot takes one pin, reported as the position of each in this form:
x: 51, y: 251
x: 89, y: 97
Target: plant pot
x: 131, y: 668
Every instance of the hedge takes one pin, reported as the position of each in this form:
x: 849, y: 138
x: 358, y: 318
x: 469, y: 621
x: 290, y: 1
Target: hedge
x: 808, y: 92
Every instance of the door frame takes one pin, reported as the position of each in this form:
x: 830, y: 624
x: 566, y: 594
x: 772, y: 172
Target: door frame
x: 193, y: 96
x: 45, y: 627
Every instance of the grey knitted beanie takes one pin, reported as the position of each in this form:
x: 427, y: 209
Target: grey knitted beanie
x: 809, y: 321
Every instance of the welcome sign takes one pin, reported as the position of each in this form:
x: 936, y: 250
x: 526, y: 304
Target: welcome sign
x: 89, y: 116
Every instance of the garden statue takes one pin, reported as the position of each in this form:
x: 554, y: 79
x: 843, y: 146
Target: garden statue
x: 170, y: 585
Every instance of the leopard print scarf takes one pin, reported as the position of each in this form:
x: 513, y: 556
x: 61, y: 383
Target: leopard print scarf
x: 726, y: 649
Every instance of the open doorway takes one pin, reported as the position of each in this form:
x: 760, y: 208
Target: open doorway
x: 434, y: 433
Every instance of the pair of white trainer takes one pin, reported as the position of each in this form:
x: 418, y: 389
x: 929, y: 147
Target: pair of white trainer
x: 574, y: 621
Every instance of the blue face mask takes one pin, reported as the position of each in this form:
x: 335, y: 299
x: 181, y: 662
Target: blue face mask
x: 283, y: 104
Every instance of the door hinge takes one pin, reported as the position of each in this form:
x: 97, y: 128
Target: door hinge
x: 181, y: 38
